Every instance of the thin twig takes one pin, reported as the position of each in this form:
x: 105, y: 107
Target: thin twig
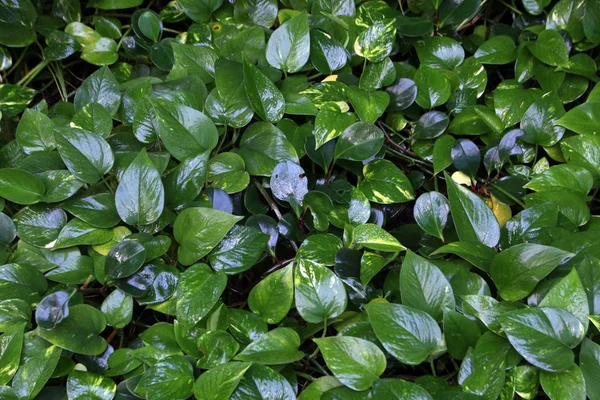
x: 278, y: 265
x: 273, y: 206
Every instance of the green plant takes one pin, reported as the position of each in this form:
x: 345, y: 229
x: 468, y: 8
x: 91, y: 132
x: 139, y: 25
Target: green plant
x: 311, y: 198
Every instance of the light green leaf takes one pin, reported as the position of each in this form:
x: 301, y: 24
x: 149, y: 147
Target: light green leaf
x: 355, y: 362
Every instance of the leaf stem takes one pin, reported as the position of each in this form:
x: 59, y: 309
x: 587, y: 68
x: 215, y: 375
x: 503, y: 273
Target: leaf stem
x: 107, y: 185
x: 273, y: 206
x: 112, y: 335
x: 432, y: 364
x: 508, y: 194
x: 33, y: 73
x: 511, y: 7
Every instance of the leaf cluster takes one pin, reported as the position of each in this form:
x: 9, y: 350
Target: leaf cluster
x: 312, y: 199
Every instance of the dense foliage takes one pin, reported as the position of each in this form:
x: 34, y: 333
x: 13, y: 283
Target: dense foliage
x: 318, y: 199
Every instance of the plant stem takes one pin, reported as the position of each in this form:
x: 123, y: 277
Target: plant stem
x: 508, y: 194
x: 107, y: 185
x: 123, y: 37
x: 112, y: 335
x: 432, y: 366
x: 273, y: 206
x: 33, y: 73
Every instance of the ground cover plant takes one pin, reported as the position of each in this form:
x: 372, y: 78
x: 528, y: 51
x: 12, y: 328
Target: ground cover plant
x: 313, y: 199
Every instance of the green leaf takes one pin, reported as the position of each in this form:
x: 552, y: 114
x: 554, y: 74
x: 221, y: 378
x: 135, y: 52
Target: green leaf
x: 569, y: 287
x: 319, y: 293
x: 288, y: 47
x: 114, y: 4
x: 289, y: 183
x: 172, y: 377
x: 198, y: 230
x: 369, y: 105
x: 440, y: 52
x: 566, y: 384
x: 375, y: 43
x: 589, y: 361
x: 431, y: 213
x: 98, y: 210
x: 200, y: 10
x: 101, y: 52
x: 473, y: 219
x: 90, y: 385
x: 584, y: 151
x: 431, y: 125
x: 433, y: 89
x: 17, y: 19
x: 8, y: 231
x: 390, y: 388
x: 261, y: 381
x: 408, y: 334
x: 184, y: 183
x: 460, y: 333
x: 255, y: 12
x: 60, y: 185
x: 87, y: 155
x: 39, y: 225
x: 373, y: 237
x: 466, y: 156
x: 359, y: 142
x: 227, y: 171
x: 220, y: 382
x: 278, y: 346
x: 402, y: 94
x: 539, y: 120
x: 239, y: 250
x: 11, y: 343
x: 228, y: 103
x: 140, y: 195
x: 357, y: 363
x: 591, y: 17
x: 198, y: 291
x: 330, y: 124
x: 100, y: 87
x: 35, y: 372
x: 20, y: 186
x: 582, y: 119
x: 483, y: 369
x: 184, y: 131
x: 33, y: 134
x: 562, y: 176
x: 517, y: 270
x: 385, y: 183
x: 476, y: 253
x: 196, y: 60
x: 118, y: 308
x: 544, y: 336
x: 77, y: 232
x: 13, y: 98
x: 13, y: 312
x: 79, y: 331
x: 150, y: 25
x: 441, y: 153
x: 456, y: 12
x: 264, y: 97
x: 320, y: 248
x: 218, y: 348
x: 550, y: 48
x: 497, y: 50
x: 273, y: 296
x: 21, y: 282
x: 263, y: 146
x: 424, y: 286
x: 326, y: 53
